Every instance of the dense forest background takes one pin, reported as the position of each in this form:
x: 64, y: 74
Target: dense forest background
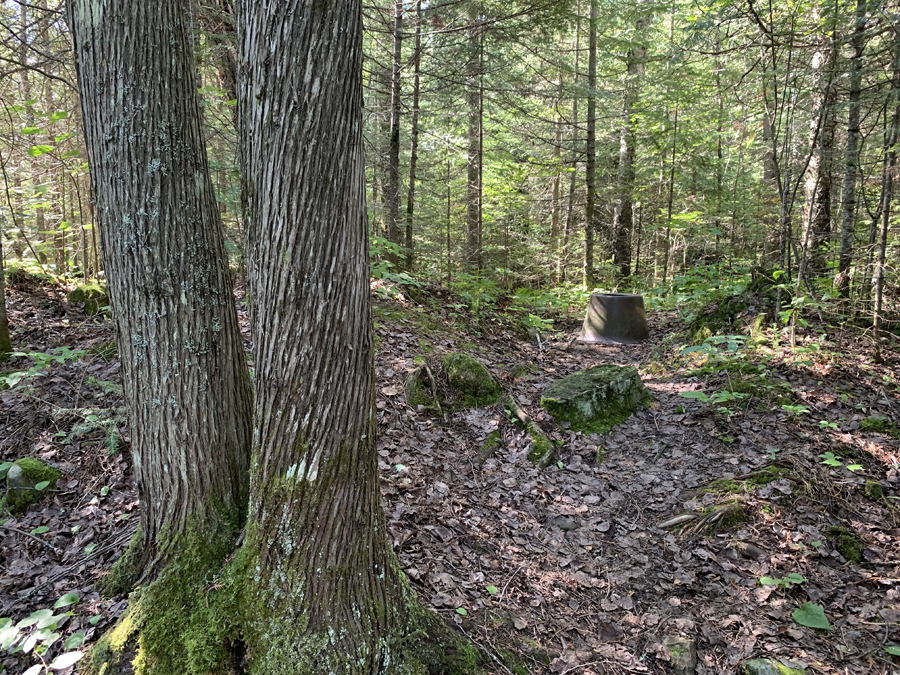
x: 664, y: 147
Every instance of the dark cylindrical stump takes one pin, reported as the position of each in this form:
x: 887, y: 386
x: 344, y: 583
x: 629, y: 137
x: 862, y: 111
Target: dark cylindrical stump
x: 615, y: 317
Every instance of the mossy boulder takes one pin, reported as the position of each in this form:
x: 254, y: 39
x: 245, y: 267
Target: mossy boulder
x: 471, y: 379
x: 596, y: 399
x: 27, y: 481
x: 419, y: 388
x: 847, y: 543
x: 92, y: 296
x: 768, y: 667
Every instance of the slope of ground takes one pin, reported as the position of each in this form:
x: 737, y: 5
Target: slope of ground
x: 570, y: 569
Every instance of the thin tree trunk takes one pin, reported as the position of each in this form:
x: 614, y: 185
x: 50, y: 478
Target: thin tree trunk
x: 184, y: 371
x: 5, y: 343
x: 393, y: 186
x: 851, y: 166
x: 667, y: 243
x: 588, y: 275
x: 474, y: 149
x: 562, y: 260
x: 623, y: 211
x: 414, y: 139
x: 890, y: 162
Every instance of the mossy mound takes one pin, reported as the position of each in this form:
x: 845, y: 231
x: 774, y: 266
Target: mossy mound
x: 418, y: 387
x: 768, y: 667
x: 745, y: 312
x: 847, y: 543
x: 764, y: 476
x: 880, y: 425
x: 34, y: 474
x: 21, y: 279
x: 471, y: 379
x: 92, y: 296
x: 596, y: 399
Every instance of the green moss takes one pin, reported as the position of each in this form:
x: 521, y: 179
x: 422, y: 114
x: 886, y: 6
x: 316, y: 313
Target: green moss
x: 766, y: 475
x: 123, y: 576
x: 474, y: 382
x: 417, y: 388
x: 847, y: 543
x: 596, y: 399
x: 489, y: 447
x: 880, y: 425
x: 768, y: 667
x: 37, y: 472
x: 93, y: 296
x: 873, y: 490
x: 542, y: 450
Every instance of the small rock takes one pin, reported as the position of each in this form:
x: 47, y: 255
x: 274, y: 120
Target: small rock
x: 564, y: 523
x: 682, y: 654
x: 768, y: 667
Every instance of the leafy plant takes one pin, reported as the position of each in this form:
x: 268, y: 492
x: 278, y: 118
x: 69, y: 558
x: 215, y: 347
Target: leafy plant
x: 37, y: 634
x: 42, y: 363
x: 830, y: 459
x: 811, y: 616
x: 792, y: 579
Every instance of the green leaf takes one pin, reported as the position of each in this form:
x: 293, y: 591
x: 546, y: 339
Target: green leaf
x: 854, y: 467
x: 34, y: 670
x: 43, y: 529
x: 493, y: 590
x: 462, y: 611
x: 768, y: 581
x: 893, y: 650
x: 89, y: 549
x: 34, y: 617
x: 105, y: 490
x: 43, y: 485
x: 695, y: 394
x: 66, y: 660
x: 74, y: 641
x: 811, y: 616
x: 830, y: 459
x: 27, y: 131
x: 38, y: 150
x: 66, y: 600
x: 794, y: 578
x: 58, y: 115
x: 94, y: 620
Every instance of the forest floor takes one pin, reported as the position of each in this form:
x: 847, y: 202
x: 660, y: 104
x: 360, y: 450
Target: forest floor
x: 566, y: 569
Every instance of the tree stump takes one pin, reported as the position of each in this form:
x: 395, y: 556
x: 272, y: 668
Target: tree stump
x: 615, y: 318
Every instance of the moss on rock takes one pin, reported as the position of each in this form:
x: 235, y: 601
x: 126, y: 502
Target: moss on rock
x: 93, y: 296
x: 34, y: 472
x: 847, y: 543
x: 474, y: 382
x: 417, y: 387
x: 873, y: 490
x: 596, y: 399
x: 768, y: 667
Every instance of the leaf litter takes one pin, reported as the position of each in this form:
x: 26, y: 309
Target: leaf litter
x: 568, y: 567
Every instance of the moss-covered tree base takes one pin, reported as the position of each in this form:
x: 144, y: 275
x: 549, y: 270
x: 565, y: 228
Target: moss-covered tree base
x: 94, y: 297
x: 199, y: 617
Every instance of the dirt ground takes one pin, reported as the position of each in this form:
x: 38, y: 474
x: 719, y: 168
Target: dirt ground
x: 568, y: 569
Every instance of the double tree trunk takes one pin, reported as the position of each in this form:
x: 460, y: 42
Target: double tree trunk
x: 183, y: 366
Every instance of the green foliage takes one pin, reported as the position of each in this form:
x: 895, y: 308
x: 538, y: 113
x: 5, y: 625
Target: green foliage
x: 37, y: 634
x: 880, y: 425
x: 847, y: 543
x: 830, y: 459
x: 792, y: 579
x: 42, y: 362
x: 38, y: 474
x: 811, y: 616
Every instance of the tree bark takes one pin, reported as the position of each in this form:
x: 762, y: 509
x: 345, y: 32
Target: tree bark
x: 323, y: 589
x: 393, y: 186
x: 5, y: 342
x: 817, y: 189
x: 591, y: 161
x: 623, y: 211
x: 474, y: 149
x: 183, y: 367
x: 851, y: 163
x: 414, y: 139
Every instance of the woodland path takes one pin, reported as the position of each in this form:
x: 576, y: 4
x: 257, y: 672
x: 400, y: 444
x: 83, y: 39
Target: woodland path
x: 565, y: 567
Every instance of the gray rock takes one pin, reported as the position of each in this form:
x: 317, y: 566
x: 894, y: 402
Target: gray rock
x: 768, y: 667
x: 564, y: 523
x: 16, y: 479
x: 682, y: 654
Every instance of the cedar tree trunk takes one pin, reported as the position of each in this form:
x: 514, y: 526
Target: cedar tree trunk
x: 323, y: 592
x: 183, y: 366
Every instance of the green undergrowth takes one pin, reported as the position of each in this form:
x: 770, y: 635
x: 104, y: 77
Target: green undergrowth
x: 880, y: 425
x: 124, y: 573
